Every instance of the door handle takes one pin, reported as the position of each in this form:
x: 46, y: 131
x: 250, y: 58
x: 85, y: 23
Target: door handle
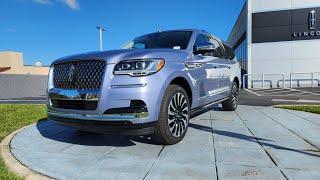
x: 193, y: 65
x: 225, y: 66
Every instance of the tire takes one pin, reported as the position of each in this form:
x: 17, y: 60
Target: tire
x: 231, y: 104
x: 174, y: 116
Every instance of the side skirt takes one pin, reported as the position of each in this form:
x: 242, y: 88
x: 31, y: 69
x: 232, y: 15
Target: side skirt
x: 197, y: 110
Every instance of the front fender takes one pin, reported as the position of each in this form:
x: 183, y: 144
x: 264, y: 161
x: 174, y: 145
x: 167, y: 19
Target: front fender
x: 182, y: 73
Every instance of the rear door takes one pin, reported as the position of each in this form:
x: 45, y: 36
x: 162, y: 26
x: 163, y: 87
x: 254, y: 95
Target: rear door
x: 224, y: 66
x: 229, y: 56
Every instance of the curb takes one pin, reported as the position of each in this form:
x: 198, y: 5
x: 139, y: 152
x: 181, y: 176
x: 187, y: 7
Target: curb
x: 13, y: 164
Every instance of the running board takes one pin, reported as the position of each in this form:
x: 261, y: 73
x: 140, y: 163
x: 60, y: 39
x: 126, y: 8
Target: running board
x: 201, y: 108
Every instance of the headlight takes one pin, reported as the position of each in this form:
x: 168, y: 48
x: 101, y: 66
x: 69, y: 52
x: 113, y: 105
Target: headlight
x: 139, y: 67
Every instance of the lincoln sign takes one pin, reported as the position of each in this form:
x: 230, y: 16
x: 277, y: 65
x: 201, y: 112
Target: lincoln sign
x: 286, y: 25
x: 312, y: 26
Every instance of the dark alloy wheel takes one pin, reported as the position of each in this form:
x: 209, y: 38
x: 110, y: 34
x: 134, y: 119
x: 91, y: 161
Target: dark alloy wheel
x: 178, y: 114
x: 174, y: 116
x: 231, y: 103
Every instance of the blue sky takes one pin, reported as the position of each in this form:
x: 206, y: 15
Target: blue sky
x: 48, y: 29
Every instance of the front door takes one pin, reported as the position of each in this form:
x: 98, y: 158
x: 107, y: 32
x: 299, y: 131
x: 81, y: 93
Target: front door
x: 208, y: 72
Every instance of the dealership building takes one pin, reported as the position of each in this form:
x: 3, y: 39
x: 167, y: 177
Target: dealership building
x: 11, y: 63
x: 280, y: 39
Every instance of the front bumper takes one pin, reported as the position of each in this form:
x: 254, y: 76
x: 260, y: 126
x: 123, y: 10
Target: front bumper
x: 117, y: 92
x: 103, y: 123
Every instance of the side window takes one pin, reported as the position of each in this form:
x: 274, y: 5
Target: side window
x: 218, y: 52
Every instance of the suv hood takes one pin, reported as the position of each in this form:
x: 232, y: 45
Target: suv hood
x: 114, y: 56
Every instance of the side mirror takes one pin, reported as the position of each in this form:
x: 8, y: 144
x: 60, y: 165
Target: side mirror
x: 205, y: 48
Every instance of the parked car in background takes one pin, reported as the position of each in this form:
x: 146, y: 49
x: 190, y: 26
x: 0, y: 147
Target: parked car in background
x: 150, y: 86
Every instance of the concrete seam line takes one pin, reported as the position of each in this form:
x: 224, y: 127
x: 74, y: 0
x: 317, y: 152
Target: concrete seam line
x: 12, y: 163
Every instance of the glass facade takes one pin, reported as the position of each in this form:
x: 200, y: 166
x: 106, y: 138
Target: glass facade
x: 241, y: 52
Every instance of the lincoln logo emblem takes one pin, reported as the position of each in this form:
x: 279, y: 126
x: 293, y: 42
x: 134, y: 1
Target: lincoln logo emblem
x: 312, y: 20
x: 312, y: 31
x: 72, y: 74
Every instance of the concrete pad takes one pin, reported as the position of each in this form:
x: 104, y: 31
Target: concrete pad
x: 60, y: 166
x: 243, y: 157
x: 245, y: 142
x: 295, y: 158
x: 185, y: 160
x: 233, y: 142
x: 223, y: 115
x: 314, y: 140
x: 315, y: 118
x: 233, y: 172
x: 40, y: 144
x: 203, y: 116
x: 124, y: 163
x: 290, y: 141
x: 304, y: 173
x: 302, y: 127
x: 46, y: 128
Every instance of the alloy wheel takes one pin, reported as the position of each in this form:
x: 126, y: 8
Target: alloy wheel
x: 235, y: 94
x: 178, y: 115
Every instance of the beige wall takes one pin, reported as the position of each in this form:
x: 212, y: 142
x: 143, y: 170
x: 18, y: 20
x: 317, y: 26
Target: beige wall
x: 14, y: 60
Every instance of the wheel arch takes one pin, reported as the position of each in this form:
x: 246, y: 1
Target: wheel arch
x: 183, y: 82
x: 236, y: 79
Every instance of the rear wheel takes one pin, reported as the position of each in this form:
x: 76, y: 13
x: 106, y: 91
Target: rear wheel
x: 174, y: 116
x: 231, y: 104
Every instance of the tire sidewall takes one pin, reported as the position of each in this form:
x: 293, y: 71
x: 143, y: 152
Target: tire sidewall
x: 234, y: 85
x: 163, y: 117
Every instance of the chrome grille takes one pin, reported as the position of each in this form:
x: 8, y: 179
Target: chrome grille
x: 82, y: 75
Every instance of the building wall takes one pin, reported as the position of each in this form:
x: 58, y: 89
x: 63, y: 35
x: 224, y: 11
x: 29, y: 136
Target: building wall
x: 33, y: 70
x: 11, y: 59
x: 22, y: 86
x: 239, y: 28
x: 285, y: 56
x: 15, y: 61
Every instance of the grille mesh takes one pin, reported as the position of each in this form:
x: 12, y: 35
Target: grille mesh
x: 83, y: 74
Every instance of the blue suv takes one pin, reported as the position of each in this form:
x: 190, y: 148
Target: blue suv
x: 150, y: 86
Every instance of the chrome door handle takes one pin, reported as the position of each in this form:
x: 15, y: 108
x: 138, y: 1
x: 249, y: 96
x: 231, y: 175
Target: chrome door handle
x: 193, y: 65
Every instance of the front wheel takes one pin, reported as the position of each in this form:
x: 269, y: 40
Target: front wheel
x: 231, y: 103
x: 174, y: 116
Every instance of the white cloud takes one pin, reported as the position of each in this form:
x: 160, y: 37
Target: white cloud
x: 43, y: 1
x: 73, y: 4
x: 12, y: 30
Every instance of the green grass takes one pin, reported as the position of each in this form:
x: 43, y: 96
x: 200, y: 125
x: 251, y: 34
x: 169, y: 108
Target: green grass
x: 13, y: 117
x: 305, y: 108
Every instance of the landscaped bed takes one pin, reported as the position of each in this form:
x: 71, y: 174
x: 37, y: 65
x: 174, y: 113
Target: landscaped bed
x: 305, y: 108
x: 13, y: 117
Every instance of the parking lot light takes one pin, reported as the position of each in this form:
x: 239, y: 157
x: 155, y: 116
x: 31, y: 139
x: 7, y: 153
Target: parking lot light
x: 101, y: 29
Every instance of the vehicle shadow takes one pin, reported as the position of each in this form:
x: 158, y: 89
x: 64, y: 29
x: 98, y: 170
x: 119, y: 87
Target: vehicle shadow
x: 54, y: 131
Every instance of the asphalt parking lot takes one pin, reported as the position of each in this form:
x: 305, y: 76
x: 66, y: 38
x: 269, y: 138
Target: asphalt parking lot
x: 250, y: 143
x: 270, y: 97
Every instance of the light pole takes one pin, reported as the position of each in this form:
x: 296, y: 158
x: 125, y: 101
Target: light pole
x: 101, y: 29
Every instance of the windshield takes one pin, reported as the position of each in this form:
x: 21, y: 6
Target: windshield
x: 168, y: 40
